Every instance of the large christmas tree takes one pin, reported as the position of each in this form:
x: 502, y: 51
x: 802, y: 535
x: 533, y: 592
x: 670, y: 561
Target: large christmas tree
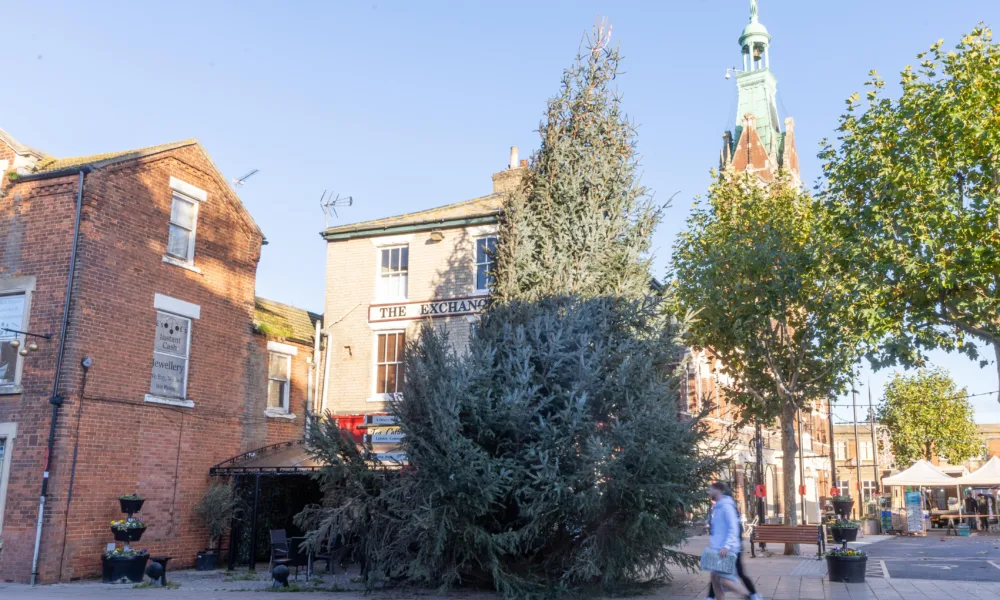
x: 550, y: 456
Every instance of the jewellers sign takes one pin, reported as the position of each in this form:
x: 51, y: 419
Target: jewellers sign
x: 421, y: 310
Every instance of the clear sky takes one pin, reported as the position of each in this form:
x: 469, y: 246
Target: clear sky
x: 407, y: 105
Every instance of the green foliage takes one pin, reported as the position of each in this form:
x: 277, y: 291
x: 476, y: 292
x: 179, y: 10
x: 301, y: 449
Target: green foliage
x: 216, y: 509
x: 549, y: 457
x: 581, y: 223
x: 927, y: 415
x: 913, y: 185
x: 754, y: 268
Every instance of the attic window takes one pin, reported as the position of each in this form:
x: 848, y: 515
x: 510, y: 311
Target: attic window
x: 184, y: 206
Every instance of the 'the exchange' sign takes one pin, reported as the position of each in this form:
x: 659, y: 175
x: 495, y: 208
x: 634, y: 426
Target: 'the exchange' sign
x: 421, y: 310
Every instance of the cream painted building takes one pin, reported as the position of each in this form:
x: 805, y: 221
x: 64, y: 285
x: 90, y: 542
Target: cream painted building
x: 385, y: 278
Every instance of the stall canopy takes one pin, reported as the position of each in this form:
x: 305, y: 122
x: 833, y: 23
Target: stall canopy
x: 986, y: 475
x: 922, y: 473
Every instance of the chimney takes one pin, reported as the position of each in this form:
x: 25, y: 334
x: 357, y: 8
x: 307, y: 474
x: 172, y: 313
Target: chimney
x: 510, y: 178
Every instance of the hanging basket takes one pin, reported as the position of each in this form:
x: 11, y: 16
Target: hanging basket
x: 843, y: 534
x: 842, y: 506
x: 131, y: 506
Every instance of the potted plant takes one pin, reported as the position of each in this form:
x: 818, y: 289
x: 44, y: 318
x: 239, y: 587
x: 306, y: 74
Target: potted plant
x: 871, y: 525
x: 842, y: 505
x: 216, y: 510
x: 844, y: 531
x: 131, y: 503
x: 128, y: 530
x: 846, y: 565
x: 123, y: 564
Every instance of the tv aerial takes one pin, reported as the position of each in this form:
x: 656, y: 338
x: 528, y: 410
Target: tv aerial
x: 239, y: 181
x: 329, y: 202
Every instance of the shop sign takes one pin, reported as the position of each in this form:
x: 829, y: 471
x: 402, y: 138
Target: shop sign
x: 386, y: 436
x: 422, y: 310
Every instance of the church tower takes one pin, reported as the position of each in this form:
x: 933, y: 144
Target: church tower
x: 758, y: 144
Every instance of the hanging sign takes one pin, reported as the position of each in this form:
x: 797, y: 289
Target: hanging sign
x: 406, y: 311
x: 760, y: 491
x: 386, y: 436
x: 914, y: 513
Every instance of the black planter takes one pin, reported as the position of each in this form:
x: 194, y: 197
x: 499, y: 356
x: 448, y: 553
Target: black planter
x: 131, y: 506
x: 843, y: 507
x: 116, y: 569
x: 846, y: 569
x: 128, y: 535
x: 844, y: 534
x: 208, y: 560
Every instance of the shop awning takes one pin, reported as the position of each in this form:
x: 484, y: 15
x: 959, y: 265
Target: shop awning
x: 290, y: 458
x: 988, y: 474
x: 921, y: 473
x: 285, y: 458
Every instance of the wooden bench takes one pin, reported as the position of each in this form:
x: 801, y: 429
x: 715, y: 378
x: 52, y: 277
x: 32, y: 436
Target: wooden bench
x: 787, y: 534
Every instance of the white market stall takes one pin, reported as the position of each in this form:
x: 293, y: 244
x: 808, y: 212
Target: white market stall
x: 987, y: 475
x: 922, y: 474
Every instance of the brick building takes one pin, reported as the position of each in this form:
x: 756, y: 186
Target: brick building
x: 142, y: 262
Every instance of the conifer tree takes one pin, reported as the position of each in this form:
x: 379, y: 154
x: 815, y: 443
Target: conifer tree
x: 550, y: 456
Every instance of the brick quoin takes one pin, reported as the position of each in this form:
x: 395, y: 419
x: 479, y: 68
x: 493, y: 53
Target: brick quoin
x: 123, y: 443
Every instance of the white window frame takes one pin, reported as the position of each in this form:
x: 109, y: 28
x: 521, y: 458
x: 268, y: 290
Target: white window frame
x: 844, y: 487
x: 865, y: 450
x: 490, y: 262
x: 867, y: 490
x: 380, y: 292
x: 376, y: 395
x: 840, y: 450
x: 184, y: 192
x: 15, y: 286
x: 286, y: 351
x: 8, y: 431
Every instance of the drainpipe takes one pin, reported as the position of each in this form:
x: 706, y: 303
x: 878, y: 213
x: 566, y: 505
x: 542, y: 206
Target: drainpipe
x: 326, y: 371
x: 55, y: 399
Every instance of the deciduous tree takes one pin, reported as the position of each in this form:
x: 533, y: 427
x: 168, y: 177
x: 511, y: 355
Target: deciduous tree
x: 755, y: 268
x: 914, y: 184
x: 927, y: 415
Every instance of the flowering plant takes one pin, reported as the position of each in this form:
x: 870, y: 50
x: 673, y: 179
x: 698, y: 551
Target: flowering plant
x: 119, y: 552
x: 124, y: 524
x: 844, y: 525
x: 845, y: 552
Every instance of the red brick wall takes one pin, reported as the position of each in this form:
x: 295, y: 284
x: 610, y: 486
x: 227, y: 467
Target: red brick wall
x: 277, y: 429
x: 125, y: 444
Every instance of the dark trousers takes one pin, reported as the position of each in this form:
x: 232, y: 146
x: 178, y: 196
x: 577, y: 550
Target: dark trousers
x: 739, y: 573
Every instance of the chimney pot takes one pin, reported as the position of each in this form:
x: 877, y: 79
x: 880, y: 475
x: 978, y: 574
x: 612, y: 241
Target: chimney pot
x: 524, y: 162
x: 513, y: 158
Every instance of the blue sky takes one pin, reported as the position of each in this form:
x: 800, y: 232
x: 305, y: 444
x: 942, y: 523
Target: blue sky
x: 409, y: 105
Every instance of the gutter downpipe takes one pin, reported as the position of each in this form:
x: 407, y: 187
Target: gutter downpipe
x: 55, y: 399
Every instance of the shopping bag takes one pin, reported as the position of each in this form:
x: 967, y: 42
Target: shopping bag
x: 711, y: 561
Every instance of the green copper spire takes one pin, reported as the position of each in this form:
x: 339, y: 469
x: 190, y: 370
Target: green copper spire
x: 757, y: 85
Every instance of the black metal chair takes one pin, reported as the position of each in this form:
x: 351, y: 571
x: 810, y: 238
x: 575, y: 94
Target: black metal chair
x: 279, y: 547
x: 332, y: 550
x: 297, y: 556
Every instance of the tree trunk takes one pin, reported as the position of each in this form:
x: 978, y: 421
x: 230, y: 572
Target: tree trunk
x: 788, y: 449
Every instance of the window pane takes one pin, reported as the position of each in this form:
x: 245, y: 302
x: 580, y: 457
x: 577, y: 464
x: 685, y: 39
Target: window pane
x: 400, y: 345
x: 11, y: 315
x: 394, y: 259
x: 404, y: 258
x: 380, y: 380
x: 385, y: 261
x: 8, y: 362
x: 179, y: 242
x: 380, y: 356
x: 276, y: 394
x: 482, y: 277
x: 403, y: 281
x: 390, y: 380
x: 481, y: 250
x: 168, y: 376
x: 390, y: 348
x: 182, y: 212
x: 278, y: 366
x: 171, y: 334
